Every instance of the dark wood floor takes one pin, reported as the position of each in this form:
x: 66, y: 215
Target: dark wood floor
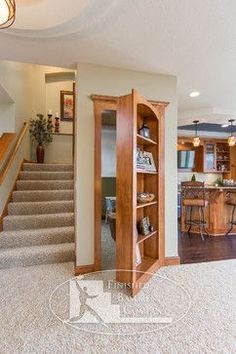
x: 193, y: 250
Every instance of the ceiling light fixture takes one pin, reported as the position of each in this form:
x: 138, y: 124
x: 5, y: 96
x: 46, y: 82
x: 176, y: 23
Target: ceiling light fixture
x: 196, y: 139
x: 7, y: 13
x: 231, y: 138
x: 194, y: 94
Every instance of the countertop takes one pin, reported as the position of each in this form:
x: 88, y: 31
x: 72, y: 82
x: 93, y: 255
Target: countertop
x: 213, y: 187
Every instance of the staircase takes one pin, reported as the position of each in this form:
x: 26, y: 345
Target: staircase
x: 39, y: 227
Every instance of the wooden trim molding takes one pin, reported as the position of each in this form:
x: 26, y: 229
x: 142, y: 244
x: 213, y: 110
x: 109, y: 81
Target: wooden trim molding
x: 5, y: 141
x: 13, y: 152
x: 89, y: 268
x: 170, y: 261
x: 114, y: 99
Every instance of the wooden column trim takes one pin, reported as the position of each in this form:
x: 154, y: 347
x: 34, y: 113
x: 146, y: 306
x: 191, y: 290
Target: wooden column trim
x: 170, y: 261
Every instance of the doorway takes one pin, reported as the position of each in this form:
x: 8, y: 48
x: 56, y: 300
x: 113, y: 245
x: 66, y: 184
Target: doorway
x: 108, y: 195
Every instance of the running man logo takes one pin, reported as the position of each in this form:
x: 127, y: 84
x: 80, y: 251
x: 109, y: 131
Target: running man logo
x: 97, y: 303
x: 89, y: 303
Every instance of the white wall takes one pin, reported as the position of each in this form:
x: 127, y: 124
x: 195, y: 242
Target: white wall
x: 17, y: 81
x: 53, y: 89
x: 93, y: 79
x: 46, y: 95
x: 7, y: 118
x: 108, y: 151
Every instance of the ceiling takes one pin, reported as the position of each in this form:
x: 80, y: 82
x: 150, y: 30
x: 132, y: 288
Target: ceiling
x: 207, y: 127
x: 194, y: 40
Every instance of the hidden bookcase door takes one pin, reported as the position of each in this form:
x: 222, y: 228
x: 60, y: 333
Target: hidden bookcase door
x: 138, y: 254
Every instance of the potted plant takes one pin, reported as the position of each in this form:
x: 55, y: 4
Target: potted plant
x: 41, y: 132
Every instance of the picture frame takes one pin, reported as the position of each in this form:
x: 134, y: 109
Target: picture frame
x: 67, y: 100
x: 149, y: 162
x: 145, y: 161
x: 144, y: 226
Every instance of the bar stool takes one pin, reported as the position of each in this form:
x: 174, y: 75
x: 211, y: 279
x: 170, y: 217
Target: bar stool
x: 194, y: 196
x: 231, y: 202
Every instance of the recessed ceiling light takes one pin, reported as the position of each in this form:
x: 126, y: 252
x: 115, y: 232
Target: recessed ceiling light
x: 194, y: 94
x: 224, y: 125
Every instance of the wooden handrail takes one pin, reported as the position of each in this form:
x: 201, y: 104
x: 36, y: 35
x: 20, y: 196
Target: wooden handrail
x: 5, y: 141
x: 13, y: 152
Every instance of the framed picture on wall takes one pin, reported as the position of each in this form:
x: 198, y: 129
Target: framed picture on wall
x: 67, y: 106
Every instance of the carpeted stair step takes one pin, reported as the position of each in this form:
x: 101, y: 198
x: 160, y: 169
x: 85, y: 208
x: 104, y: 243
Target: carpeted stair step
x: 43, y: 195
x: 46, y: 167
x: 28, y: 238
x: 44, y: 185
x: 45, y: 175
x: 36, y: 208
x: 28, y: 256
x: 24, y: 222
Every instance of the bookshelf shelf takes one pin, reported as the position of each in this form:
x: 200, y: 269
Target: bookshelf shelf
x: 145, y: 205
x: 141, y: 140
x: 142, y: 238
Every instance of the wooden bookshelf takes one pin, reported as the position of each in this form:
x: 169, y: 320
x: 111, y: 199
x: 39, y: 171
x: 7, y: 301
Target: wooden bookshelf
x: 133, y: 111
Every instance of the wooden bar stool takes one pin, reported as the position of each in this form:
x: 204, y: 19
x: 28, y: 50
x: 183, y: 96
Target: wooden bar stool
x: 231, y: 202
x: 194, y: 196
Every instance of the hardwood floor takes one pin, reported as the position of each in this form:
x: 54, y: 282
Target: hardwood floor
x: 193, y: 250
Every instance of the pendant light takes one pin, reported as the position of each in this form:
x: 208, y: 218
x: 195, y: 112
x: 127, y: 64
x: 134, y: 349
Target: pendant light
x: 231, y: 138
x: 7, y: 13
x: 196, y: 139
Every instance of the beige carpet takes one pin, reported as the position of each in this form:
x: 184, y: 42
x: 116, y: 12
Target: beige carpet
x: 28, y: 326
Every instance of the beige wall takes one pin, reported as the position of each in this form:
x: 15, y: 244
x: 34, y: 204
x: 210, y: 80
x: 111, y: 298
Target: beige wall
x: 46, y: 95
x: 113, y: 81
x: 16, y: 79
x: 25, y: 85
x: 53, y: 101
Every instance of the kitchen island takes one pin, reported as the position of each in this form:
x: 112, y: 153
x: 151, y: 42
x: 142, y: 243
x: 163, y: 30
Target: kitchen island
x: 217, y: 212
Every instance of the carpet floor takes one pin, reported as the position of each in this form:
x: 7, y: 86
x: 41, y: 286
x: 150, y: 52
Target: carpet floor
x: 28, y: 326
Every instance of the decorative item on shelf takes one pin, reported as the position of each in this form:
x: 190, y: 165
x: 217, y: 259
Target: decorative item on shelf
x: 144, y: 226
x: 145, y: 161
x: 57, y: 123
x: 7, y: 13
x: 145, y: 198
x: 149, y: 162
x: 144, y: 131
x: 139, y: 159
x: 49, y: 116
x: 41, y: 132
x: 196, y: 139
x: 231, y: 138
x: 219, y: 182
x: 193, y: 179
